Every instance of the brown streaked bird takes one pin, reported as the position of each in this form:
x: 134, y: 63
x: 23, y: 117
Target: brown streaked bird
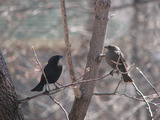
x: 52, y: 71
x: 115, y: 58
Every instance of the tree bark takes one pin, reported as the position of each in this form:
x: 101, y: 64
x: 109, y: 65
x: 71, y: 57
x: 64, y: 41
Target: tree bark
x: 80, y: 105
x: 9, y: 109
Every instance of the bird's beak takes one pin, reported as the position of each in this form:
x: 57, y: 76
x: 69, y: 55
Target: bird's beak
x: 60, y: 57
x: 106, y: 47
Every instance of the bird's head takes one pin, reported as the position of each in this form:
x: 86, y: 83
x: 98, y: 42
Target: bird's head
x: 54, y: 59
x: 112, y: 48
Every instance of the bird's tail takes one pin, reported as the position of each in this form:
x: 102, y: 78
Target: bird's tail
x: 127, y: 78
x: 38, y: 88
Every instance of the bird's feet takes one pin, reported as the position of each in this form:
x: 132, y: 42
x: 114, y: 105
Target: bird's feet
x: 56, y: 86
x: 114, y: 71
x: 59, y: 84
x: 99, y: 57
x: 111, y: 73
x: 46, y: 91
x: 117, y: 72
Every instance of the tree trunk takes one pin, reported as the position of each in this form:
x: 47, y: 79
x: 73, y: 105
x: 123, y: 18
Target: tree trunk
x: 80, y: 105
x: 9, y: 109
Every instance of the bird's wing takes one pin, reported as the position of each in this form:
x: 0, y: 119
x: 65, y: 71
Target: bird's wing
x: 123, y: 59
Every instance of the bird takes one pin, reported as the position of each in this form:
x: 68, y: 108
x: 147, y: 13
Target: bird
x: 52, y: 72
x: 115, y: 58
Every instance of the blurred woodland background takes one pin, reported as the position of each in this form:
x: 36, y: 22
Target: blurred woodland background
x: 134, y: 26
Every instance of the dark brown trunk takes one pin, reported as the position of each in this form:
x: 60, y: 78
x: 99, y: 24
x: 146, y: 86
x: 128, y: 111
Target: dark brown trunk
x: 9, y: 109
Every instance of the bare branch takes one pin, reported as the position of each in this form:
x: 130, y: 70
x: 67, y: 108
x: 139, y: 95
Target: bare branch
x: 141, y: 94
x: 56, y: 90
x: 68, y: 51
x: 40, y: 66
x: 66, y: 113
x: 128, y: 96
x: 114, y: 93
x: 147, y: 80
x: 117, y: 63
x: 40, y: 94
x: 153, y: 96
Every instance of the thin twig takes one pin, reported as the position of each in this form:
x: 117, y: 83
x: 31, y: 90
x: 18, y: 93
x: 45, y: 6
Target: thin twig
x: 117, y: 86
x: 131, y: 66
x: 80, y: 76
x: 147, y: 80
x: 66, y: 113
x: 128, y: 96
x: 105, y: 93
x: 68, y: 51
x: 117, y: 63
x: 79, y: 82
x: 153, y: 96
x: 138, y: 99
x: 114, y: 93
x: 40, y: 66
x: 40, y: 94
x: 90, y: 80
x: 141, y: 94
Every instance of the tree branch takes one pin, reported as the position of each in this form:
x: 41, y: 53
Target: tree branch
x: 56, y: 90
x: 147, y: 81
x: 9, y: 109
x: 68, y: 51
x: 40, y: 66
x: 66, y: 113
x: 143, y: 97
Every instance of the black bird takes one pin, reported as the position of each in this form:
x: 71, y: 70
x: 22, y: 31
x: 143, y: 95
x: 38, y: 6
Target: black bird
x: 113, y: 54
x: 52, y: 71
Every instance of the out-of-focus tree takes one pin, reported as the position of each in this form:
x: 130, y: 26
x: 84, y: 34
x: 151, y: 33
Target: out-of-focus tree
x: 9, y: 107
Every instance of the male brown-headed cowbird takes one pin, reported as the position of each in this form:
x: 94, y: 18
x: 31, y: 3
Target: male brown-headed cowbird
x: 116, y: 60
x: 52, y: 71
